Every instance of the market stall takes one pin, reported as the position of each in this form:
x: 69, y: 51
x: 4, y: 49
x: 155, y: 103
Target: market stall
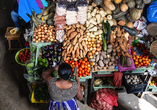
x: 105, y: 40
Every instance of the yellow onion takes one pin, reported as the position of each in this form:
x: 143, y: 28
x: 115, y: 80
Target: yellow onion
x: 42, y: 32
x: 98, y: 49
x: 43, y: 38
x: 39, y: 30
x: 94, y: 45
x: 34, y: 39
x: 48, y: 38
x: 39, y: 35
x: 90, y: 56
x: 43, y: 35
x: 39, y: 39
x: 97, y: 45
x: 42, y: 41
x: 93, y: 51
x: 90, y: 53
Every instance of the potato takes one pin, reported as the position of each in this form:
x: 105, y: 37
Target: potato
x: 95, y: 67
x: 101, y: 57
x: 111, y: 67
x: 109, y: 50
x: 101, y: 63
x: 112, y: 58
x: 114, y: 54
x: 103, y: 54
x: 116, y: 57
x: 105, y: 61
x: 93, y: 60
x: 97, y: 58
x: 110, y: 63
x: 109, y: 46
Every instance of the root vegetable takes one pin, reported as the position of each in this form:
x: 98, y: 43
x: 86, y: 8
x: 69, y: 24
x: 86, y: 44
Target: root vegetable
x: 109, y: 50
x: 74, y: 40
x: 93, y: 28
x: 75, y: 47
x: 70, y: 31
x: 97, y: 58
x: 111, y: 37
x: 121, y: 23
x: 111, y: 67
x: 101, y: 63
x: 103, y: 54
x: 105, y: 61
x: 98, y: 18
x: 95, y: 67
x: 127, y: 54
x: 77, y: 52
x: 109, y: 46
x: 98, y: 32
x: 72, y: 35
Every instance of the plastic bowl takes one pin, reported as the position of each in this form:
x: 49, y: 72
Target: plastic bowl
x: 17, y: 58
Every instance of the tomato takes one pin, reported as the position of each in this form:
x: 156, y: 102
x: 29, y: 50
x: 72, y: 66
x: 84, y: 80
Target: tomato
x: 66, y: 61
x: 136, y: 60
x: 80, y: 72
x: 133, y: 53
x: 85, y: 66
x: 80, y: 76
x: 92, y: 63
x: 140, y: 60
x: 141, y: 64
x: 146, y: 59
x: 75, y: 62
x: 77, y: 65
x: 145, y: 64
x: 82, y: 65
x: 136, y: 63
x: 137, y: 56
x: 83, y: 71
x: 134, y: 57
x: 72, y: 69
x: 143, y: 58
x: 85, y: 59
x: 83, y: 62
x: 80, y: 68
x: 80, y: 61
x: 86, y: 73
x: 72, y: 63
x: 149, y: 60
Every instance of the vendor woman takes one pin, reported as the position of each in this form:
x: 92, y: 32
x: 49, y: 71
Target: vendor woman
x: 63, y: 92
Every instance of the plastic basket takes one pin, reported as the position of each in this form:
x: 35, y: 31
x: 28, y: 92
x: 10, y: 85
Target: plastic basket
x: 17, y: 58
x: 134, y: 88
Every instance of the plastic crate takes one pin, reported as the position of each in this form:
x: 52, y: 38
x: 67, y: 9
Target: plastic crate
x: 108, y: 86
x: 152, y: 88
x: 135, y: 88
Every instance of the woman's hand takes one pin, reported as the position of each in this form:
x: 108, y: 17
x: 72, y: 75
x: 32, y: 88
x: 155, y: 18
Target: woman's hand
x: 77, y: 78
x: 56, y: 67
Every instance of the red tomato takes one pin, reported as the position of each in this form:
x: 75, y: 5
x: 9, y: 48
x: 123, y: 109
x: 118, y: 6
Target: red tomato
x: 147, y: 62
x: 66, y: 61
x: 80, y: 61
x: 83, y: 75
x: 137, y: 56
x: 85, y: 69
x: 140, y: 60
x: 86, y: 73
x: 141, y: 64
x: 82, y: 71
x: 83, y: 62
x: 133, y: 53
x: 144, y: 61
x: 82, y: 65
x: 143, y: 58
x: 85, y: 66
x: 85, y: 59
x: 136, y: 60
x: 75, y: 62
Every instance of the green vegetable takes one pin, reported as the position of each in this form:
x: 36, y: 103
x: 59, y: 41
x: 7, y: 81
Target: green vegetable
x: 131, y: 31
x: 114, y: 27
x: 30, y: 71
x: 41, y: 93
x: 75, y: 72
x: 30, y: 65
x: 119, y: 14
x: 122, y: 60
x: 104, y: 28
x: 104, y: 43
x: 108, y: 31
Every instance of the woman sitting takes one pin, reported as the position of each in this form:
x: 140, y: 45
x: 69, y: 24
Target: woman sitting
x: 63, y: 92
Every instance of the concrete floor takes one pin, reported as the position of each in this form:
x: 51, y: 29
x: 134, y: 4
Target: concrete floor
x: 13, y: 87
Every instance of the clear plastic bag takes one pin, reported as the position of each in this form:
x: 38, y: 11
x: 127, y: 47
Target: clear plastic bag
x: 62, y: 4
x: 71, y: 6
x: 81, y: 3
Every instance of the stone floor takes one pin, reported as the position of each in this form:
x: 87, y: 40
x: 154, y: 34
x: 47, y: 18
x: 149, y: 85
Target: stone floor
x: 13, y: 87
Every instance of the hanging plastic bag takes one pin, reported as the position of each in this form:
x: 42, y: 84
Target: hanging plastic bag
x: 152, y: 12
x: 81, y: 3
x: 72, y: 6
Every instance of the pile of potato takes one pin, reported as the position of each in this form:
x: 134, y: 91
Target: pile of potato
x: 74, y: 42
x: 133, y: 79
x: 104, y: 60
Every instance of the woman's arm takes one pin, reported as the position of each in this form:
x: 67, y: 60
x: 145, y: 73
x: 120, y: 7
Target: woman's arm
x: 46, y: 74
x: 79, y: 94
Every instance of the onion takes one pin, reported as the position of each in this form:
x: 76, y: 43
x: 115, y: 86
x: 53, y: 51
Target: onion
x: 50, y: 33
x: 48, y: 38
x: 94, y: 45
x: 92, y: 42
x: 39, y: 33
x: 51, y: 39
x: 42, y: 35
x: 42, y: 27
x: 90, y: 56
x: 100, y: 25
x: 43, y: 38
x: 42, y: 41
x: 90, y: 53
x: 34, y: 39
x: 92, y: 39
x: 34, y: 35
x: 45, y: 31
x: 99, y: 41
x: 45, y: 28
x: 39, y: 39
x: 98, y: 49
x: 97, y: 45
x: 93, y: 51
x: 96, y: 37
x: 39, y: 30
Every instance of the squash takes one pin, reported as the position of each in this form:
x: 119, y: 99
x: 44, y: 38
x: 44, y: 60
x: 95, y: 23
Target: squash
x: 129, y: 18
x: 117, y: 1
x: 109, y: 5
x: 140, y: 6
x: 97, y: 2
x: 122, y: 18
x: 130, y: 24
x: 135, y: 13
x: 124, y: 7
x: 138, y: 2
x: 98, y: 82
x: 114, y: 22
x: 131, y: 31
x: 131, y: 4
x: 108, y: 11
x: 146, y: 1
x: 117, y: 10
x: 125, y: 1
x: 119, y: 14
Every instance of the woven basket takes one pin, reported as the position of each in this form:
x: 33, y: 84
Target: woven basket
x: 153, y: 48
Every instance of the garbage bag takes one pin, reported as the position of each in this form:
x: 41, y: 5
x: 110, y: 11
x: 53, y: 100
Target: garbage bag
x: 152, y: 12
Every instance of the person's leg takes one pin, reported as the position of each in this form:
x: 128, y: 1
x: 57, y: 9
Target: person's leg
x: 15, y: 18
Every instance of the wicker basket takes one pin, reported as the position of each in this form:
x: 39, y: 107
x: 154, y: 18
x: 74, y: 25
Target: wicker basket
x: 153, y: 48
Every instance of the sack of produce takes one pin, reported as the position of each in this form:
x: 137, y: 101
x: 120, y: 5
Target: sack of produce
x: 152, y: 12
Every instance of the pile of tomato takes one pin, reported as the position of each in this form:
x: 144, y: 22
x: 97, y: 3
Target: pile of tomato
x: 24, y: 55
x: 141, y: 60
x: 83, y: 67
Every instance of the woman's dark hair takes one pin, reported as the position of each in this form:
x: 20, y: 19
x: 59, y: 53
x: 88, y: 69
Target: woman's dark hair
x: 64, y: 71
